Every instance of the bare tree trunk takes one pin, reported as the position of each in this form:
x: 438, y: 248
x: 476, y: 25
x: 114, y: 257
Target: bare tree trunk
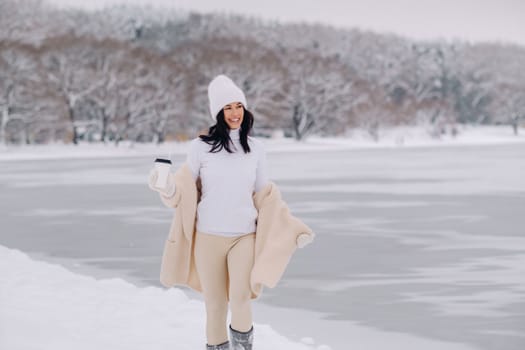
x: 6, y: 112
x: 159, y: 136
x: 373, y: 130
x: 3, y: 125
x: 104, y: 128
x: 302, y: 122
x: 72, y: 119
x: 27, y: 139
x: 71, y: 115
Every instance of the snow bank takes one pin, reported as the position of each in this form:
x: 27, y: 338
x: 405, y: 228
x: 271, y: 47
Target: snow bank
x: 45, y: 306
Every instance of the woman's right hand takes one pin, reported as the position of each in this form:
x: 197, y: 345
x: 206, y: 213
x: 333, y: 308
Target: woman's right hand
x: 168, y: 191
x: 152, y: 178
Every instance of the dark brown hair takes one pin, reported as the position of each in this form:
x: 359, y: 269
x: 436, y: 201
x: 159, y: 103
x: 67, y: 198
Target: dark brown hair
x: 219, y: 134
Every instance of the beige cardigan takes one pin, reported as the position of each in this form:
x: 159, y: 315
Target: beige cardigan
x: 275, y: 242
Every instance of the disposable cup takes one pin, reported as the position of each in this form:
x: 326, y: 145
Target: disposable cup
x: 163, y: 167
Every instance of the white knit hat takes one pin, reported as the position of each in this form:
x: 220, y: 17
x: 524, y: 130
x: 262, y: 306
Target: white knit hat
x: 222, y: 91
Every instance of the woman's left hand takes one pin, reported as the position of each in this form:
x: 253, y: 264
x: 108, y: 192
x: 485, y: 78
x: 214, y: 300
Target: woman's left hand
x: 304, y: 239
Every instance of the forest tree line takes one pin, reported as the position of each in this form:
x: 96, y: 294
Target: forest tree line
x: 141, y: 75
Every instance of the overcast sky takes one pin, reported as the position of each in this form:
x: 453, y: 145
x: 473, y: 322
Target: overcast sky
x: 472, y: 20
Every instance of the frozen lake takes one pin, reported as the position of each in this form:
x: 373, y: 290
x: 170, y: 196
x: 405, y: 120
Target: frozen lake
x: 426, y: 241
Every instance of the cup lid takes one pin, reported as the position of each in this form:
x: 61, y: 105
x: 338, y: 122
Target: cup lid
x: 162, y: 160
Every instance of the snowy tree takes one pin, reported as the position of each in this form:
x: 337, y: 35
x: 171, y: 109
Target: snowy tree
x: 20, y: 20
x: 318, y: 94
x: 168, y: 103
x: 106, y: 98
x: 143, y: 95
x: 257, y: 70
x: 406, y: 82
x: 70, y: 66
x: 137, y: 81
x: 504, y: 65
x: 509, y: 83
x: 438, y: 62
x: 22, y: 91
x: 513, y: 108
x: 137, y: 73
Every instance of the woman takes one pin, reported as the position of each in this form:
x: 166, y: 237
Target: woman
x: 229, y: 170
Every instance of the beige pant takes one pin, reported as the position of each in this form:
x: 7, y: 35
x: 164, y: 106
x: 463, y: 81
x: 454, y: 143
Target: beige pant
x: 220, y: 259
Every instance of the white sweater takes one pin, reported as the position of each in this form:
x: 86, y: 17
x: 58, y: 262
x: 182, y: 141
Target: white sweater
x: 228, y: 182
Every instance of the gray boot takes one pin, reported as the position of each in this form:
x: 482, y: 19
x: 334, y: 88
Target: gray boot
x: 223, y: 346
x: 241, y: 340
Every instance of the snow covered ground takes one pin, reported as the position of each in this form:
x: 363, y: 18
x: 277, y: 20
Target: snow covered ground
x: 357, y: 139
x: 420, y: 245
x: 45, y: 306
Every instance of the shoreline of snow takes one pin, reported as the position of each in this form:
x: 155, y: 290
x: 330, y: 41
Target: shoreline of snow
x: 62, y: 310
x: 400, y: 137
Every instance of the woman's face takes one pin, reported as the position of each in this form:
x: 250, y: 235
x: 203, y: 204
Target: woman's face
x: 233, y: 114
